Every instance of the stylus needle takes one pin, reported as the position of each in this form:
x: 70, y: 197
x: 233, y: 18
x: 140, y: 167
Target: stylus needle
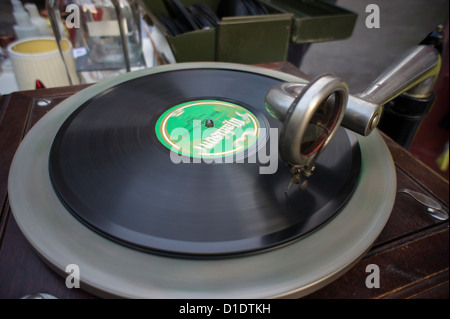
x: 295, y: 179
x: 288, y: 187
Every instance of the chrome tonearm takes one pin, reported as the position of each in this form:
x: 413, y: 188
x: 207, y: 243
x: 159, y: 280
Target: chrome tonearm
x: 312, y: 110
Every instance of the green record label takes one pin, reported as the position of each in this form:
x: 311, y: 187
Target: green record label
x: 207, y: 128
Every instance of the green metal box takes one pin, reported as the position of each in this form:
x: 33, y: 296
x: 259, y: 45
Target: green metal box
x: 256, y: 39
x: 317, y: 21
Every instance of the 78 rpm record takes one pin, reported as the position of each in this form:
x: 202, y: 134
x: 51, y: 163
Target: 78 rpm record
x: 119, y: 252
x: 110, y: 169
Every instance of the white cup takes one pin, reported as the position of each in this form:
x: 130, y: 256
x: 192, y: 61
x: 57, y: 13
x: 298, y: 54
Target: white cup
x: 39, y: 59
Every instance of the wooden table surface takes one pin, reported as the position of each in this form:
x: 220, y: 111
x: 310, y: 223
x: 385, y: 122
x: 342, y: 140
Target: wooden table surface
x: 412, y: 252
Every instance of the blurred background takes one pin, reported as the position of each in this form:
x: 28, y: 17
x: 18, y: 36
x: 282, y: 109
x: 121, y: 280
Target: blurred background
x: 360, y: 58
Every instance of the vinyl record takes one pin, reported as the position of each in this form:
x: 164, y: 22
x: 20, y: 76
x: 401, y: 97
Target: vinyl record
x: 111, y: 268
x: 112, y: 172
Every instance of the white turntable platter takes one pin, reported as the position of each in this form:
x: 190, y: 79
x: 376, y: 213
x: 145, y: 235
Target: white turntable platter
x: 108, y: 268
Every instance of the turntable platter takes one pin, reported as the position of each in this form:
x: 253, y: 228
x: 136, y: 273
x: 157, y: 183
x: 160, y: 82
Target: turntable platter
x: 110, y: 267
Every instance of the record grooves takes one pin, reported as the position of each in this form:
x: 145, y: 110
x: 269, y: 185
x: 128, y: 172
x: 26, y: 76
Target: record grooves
x: 112, y: 173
